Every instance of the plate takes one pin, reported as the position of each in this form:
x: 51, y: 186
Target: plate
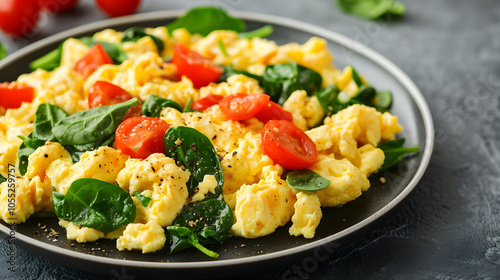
x: 238, y: 254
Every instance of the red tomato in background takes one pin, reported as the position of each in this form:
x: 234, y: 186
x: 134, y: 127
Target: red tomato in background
x: 140, y: 137
x: 12, y: 97
x: 96, y: 57
x: 273, y: 111
x: 117, y: 8
x: 57, y: 6
x: 19, y: 17
x: 200, y: 70
x: 242, y: 106
x: 103, y: 94
x: 206, y: 102
x: 287, y: 145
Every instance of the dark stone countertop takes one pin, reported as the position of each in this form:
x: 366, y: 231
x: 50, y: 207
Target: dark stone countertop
x: 449, y: 226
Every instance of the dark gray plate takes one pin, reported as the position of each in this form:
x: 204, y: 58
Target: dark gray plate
x: 237, y: 254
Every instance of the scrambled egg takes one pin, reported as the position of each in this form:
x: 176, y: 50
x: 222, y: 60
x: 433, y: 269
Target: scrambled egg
x: 253, y: 186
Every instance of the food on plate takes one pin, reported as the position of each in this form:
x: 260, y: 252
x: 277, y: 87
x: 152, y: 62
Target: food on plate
x: 160, y: 137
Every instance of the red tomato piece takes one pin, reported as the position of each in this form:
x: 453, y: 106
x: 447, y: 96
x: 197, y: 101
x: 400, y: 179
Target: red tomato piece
x: 103, y: 94
x: 242, y: 106
x: 12, y: 97
x: 57, y: 6
x: 206, y: 102
x: 96, y: 57
x: 140, y: 137
x: 200, y: 70
x: 273, y: 111
x: 287, y: 145
x: 117, y: 8
x: 19, y: 17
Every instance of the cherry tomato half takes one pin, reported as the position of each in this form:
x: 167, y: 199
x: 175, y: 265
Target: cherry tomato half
x: 19, y: 17
x: 200, y: 70
x: 140, y: 137
x: 96, y: 57
x: 273, y: 111
x: 57, y: 6
x: 12, y: 97
x: 103, y: 94
x: 117, y: 8
x: 206, y: 102
x: 287, y: 145
x: 242, y: 106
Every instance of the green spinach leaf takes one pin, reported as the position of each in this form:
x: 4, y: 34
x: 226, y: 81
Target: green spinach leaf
x: 229, y: 71
x: 153, y: 106
x: 195, y: 151
x: 48, y: 62
x: 281, y: 80
x: 133, y: 34
x: 372, y: 9
x: 306, y: 180
x: 92, y: 125
x: 394, y: 152
x: 46, y: 117
x: 96, y: 204
x: 143, y: 198
x: 3, y: 51
x: 76, y: 151
x: 58, y: 199
x: 262, y: 32
x: 203, y: 20
x: 201, y: 223
x: 114, y: 51
x: 29, y: 146
x: 2, y: 179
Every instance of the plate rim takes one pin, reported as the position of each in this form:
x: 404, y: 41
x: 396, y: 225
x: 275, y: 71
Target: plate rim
x: 342, y: 40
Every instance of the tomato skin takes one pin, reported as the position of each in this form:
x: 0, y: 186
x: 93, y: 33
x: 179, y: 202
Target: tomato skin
x: 287, y: 145
x: 19, y: 17
x: 96, y: 57
x: 118, y: 8
x: 12, y: 97
x: 57, y: 6
x: 200, y: 70
x: 242, y: 106
x: 103, y: 94
x: 206, y: 102
x: 273, y: 111
x: 140, y: 137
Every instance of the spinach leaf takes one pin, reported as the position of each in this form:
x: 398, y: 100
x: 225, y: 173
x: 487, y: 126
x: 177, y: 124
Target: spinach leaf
x: 229, y: 71
x: 143, y: 198
x: 280, y: 80
x: 223, y: 48
x: 356, y: 77
x: 48, y: 62
x: 153, y: 106
x: 203, y: 20
x: 372, y: 9
x: 195, y: 151
x: 29, y: 146
x: 92, y: 125
x: 187, y: 108
x: 3, y: 51
x: 76, y: 151
x: 96, y: 204
x: 114, y: 51
x: 2, y: 179
x: 383, y: 100
x: 133, y: 34
x: 306, y: 180
x: 46, y: 117
x: 58, y: 199
x: 394, y: 152
x: 201, y: 223
x: 262, y: 32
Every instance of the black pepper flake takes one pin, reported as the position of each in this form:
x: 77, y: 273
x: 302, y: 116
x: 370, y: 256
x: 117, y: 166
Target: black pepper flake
x: 215, y: 136
x: 235, y: 153
x: 46, y: 155
x: 193, y: 146
x: 152, y: 168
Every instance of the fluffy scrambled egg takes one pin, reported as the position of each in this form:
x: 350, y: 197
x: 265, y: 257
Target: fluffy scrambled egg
x: 253, y: 186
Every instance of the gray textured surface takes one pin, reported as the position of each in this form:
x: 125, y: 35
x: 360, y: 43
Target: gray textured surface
x: 449, y: 227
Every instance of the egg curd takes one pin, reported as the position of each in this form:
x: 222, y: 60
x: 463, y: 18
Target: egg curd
x: 253, y: 186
